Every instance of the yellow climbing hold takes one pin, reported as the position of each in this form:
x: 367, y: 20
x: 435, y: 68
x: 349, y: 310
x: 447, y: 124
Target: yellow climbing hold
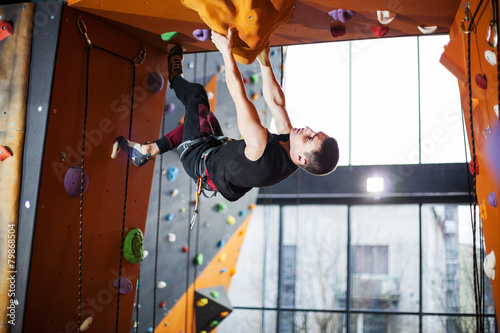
x: 202, y: 302
x: 223, y: 256
x: 231, y: 220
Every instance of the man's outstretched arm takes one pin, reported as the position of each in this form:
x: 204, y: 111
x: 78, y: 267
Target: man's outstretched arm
x: 252, y: 131
x: 273, y: 94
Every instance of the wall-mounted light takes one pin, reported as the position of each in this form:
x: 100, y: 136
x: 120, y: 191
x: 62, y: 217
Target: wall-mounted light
x: 374, y: 184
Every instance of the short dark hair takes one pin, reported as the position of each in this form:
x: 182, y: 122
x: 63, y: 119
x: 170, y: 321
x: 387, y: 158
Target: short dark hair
x: 324, y: 160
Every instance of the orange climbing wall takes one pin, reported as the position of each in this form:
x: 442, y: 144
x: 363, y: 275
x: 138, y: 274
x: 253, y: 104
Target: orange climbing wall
x: 484, y: 118
x: 181, y: 316
x: 52, y: 302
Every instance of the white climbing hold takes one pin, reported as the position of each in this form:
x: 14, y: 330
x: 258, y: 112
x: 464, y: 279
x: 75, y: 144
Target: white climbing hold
x: 428, y: 30
x: 161, y: 284
x: 171, y: 237
x: 385, y: 16
x: 490, y: 264
x: 174, y: 192
x: 146, y: 253
x: 86, y: 324
x: 490, y: 57
x: 210, y: 95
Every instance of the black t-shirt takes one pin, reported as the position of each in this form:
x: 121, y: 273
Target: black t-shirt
x: 234, y: 174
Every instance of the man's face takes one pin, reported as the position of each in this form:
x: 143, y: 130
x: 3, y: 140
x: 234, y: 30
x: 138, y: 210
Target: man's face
x: 304, y: 140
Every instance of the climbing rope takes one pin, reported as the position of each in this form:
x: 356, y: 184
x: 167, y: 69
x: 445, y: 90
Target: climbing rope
x: 476, y: 280
x: 138, y: 60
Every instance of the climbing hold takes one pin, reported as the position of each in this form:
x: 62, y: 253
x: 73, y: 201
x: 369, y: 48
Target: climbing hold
x: 172, y: 173
x: 231, y: 220
x: 86, y: 324
x: 132, y: 246
x: 495, y: 108
x: 202, y: 302
x: 6, y: 29
x: 255, y: 96
x: 171, y: 237
x: 199, y: 259
x: 427, y: 30
x: 73, y: 181
x: 255, y: 78
x: 245, y: 80
x: 221, y: 207
x: 241, y: 213
x: 251, y: 206
x: 490, y: 264
x: 150, y: 329
x: 471, y: 167
x: 385, y: 16
x: 168, y: 35
x: 163, y: 304
x: 202, y: 34
x: 232, y: 271
x: 481, y: 81
x: 487, y: 132
x: 170, y: 217
x: 210, y: 95
x: 135, y: 324
x: 185, y: 249
x: 145, y: 253
x: 224, y: 270
x: 154, y: 82
x: 222, y: 242
x: 337, y: 31
x: 161, y: 284
x: 342, y: 15
x: 242, y: 232
x: 482, y: 212
x: 170, y: 107
x: 214, y: 323
x: 174, y: 192
x: 191, y: 65
x: 223, y: 256
x: 182, y: 210
x: 492, y: 199
x: 4, y: 153
x: 490, y: 57
x: 380, y: 31
x: 475, y: 102
x: 214, y: 294
x: 224, y: 314
x: 125, y: 285
x: 272, y: 53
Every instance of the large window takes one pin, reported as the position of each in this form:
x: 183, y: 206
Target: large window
x: 386, y: 101
x: 372, y: 268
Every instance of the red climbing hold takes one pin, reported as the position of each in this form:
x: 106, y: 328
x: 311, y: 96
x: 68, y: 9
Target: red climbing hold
x: 4, y: 153
x: 337, y: 31
x: 6, y: 29
x: 380, y: 31
x: 481, y: 81
x: 163, y: 304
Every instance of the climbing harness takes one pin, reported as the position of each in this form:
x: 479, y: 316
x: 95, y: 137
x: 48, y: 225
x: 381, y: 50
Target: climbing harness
x: 138, y: 60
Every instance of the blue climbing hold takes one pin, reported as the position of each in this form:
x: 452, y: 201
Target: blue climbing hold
x: 150, y: 329
x: 170, y: 217
x: 172, y: 173
x: 222, y: 242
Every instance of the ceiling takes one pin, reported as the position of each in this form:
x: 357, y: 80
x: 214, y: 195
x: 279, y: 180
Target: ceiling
x: 311, y: 23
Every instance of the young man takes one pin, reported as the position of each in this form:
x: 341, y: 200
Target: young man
x: 233, y: 167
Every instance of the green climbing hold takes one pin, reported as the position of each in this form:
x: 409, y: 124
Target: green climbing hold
x: 221, y: 207
x: 199, y: 259
x: 133, y: 246
x: 254, y: 78
x: 214, y: 323
x: 214, y: 294
x: 169, y: 35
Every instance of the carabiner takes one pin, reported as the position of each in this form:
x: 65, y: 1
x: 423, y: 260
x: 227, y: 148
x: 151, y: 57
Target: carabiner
x: 140, y: 57
x: 83, y: 30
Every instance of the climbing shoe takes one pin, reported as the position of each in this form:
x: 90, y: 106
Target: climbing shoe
x: 132, y: 149
x: 174, y: 62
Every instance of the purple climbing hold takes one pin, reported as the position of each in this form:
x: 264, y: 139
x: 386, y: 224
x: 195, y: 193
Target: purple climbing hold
x: 492, y: 199
x: 73, y: 181
x: 170, y: 107
x: 202, y: 34
x: 342, y: 15
x: 154, y: 82
x: 125, y: 285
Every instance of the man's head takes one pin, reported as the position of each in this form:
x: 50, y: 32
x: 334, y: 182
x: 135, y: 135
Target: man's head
x: 315, y: 152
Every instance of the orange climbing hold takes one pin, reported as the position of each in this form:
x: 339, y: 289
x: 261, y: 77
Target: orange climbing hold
x: 255, y: 21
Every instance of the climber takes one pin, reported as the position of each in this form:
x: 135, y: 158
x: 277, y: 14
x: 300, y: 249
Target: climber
x: 233, y: 167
